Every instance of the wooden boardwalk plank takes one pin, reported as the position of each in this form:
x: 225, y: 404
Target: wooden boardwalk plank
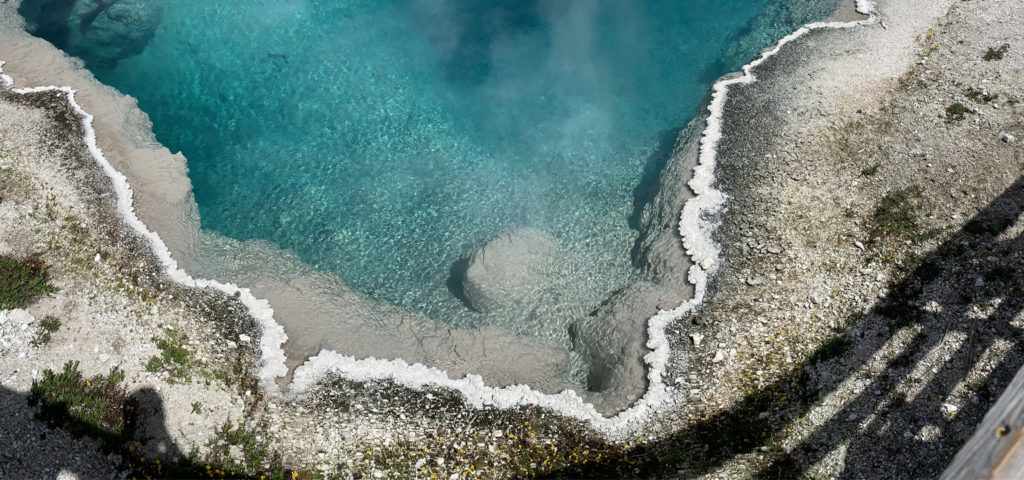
x: 995, y: 450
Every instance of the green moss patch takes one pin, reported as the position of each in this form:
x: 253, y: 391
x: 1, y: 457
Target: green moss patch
x: 896, y: 216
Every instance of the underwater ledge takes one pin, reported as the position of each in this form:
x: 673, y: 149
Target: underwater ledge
x: 696, y: 226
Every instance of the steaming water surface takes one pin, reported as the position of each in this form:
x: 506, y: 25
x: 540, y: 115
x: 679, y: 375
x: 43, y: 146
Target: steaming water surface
x: 382, y: 141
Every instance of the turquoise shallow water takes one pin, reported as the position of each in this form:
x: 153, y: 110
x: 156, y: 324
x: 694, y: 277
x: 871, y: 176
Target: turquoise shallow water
x: 384, y: 140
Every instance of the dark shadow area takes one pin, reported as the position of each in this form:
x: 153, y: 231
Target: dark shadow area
x: 150, y: 417
x: 26, y: 445
x: 101, y: 32
x: 455, y: 276
x: 971, y: 286
x: 646, y: 189
x: 465, y: 31
x: 34, y: 440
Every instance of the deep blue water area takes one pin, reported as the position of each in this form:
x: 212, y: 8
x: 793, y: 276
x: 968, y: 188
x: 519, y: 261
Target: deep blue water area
x: 384, y: 140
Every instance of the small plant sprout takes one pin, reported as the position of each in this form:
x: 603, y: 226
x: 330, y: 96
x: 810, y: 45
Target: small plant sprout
x: 980, y: 96
x: 957, y: 111
x: 870, y: 170
x: 47, y: 326
x: 197, y: 408
x: 996, y: 53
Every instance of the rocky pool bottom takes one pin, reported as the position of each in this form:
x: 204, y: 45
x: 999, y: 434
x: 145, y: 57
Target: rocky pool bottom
x: 319, y: 312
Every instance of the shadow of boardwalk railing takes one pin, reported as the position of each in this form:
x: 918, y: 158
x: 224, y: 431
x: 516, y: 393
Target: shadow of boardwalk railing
x: 956, y: 313
x: 46, y: 440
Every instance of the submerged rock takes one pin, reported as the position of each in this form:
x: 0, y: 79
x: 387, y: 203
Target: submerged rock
x: 513, y: 267
x: 98, y: 31
x: 612, y: 342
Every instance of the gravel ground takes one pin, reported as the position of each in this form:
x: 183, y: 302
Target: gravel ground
x: 112, y: 302
x: 867, y: 311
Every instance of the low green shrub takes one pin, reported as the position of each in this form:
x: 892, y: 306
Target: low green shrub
x: 22, y: 281
x: 98, y: 407
x: 957, y: 111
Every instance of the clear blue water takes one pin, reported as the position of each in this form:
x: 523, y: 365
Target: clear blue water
x: 383, y: 140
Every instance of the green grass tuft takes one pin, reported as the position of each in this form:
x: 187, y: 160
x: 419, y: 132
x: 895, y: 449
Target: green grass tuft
x: 22, y: 281
x: 831, y: 348
x: 980, y: 96
x: 173, y: 358
x: 154, y: 364
x: 172, y: 352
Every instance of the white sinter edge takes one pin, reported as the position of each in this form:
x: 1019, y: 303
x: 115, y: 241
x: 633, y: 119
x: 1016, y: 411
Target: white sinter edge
x: 696, y: 226
x: 5, y: 80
